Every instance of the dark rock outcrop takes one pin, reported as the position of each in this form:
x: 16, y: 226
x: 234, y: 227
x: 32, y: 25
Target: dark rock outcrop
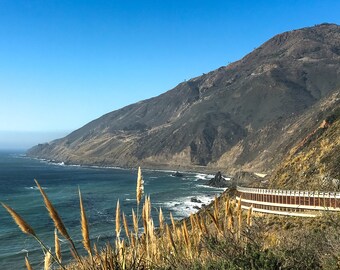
x: 218, y: 181
x: 177, y: 174
x: 195, y: 200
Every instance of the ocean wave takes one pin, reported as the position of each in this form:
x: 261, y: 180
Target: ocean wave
x: 203, y: 176
x: 184, y: 206
x: 217, y: 188
x: 158, y: 170
x: 35, y: 188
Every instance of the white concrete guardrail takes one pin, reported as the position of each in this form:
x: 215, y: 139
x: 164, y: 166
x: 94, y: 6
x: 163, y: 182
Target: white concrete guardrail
x: 288, y: 202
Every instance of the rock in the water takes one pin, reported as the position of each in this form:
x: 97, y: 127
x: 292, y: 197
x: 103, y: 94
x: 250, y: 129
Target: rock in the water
x: 195, y: 200
x: 177, y: 174
x: 218, y: 181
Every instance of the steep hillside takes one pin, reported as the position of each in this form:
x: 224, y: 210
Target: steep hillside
x: 314, y: 163
x: 235, y: 117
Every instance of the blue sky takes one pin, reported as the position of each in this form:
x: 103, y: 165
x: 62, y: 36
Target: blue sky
x: 64, y: 63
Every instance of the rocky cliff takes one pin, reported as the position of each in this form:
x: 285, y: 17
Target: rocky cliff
x: 314, y: 162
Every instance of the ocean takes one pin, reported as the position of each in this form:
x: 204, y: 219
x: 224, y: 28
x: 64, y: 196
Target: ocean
x: 100, y: 187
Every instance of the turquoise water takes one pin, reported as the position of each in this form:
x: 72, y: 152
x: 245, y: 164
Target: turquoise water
x: 100, y: 187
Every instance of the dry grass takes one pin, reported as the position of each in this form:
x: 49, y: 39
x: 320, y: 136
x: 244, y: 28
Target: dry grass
x: 222, y: 233
x: 28, y: 265
x: 84, y: 227
x: 22, y: 224
x: 57, y: 246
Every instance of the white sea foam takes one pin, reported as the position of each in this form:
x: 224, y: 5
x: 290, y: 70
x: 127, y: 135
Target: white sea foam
x: 217, y: 188
x: 35, y: 188
x: 183, y: 206
x: 203, y: 176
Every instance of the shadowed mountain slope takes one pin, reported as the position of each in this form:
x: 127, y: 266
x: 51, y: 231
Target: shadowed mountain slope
x: 236, y: 117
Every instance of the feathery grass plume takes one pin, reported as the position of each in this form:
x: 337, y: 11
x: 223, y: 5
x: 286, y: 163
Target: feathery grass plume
x: 192, y: 222
x: 58, y: 223
x: 226, y: 210
x: 151, y: 227
x: 84, y: 226
x: 110, y: 259
x: 133, y: 240
x: 216, y: 209
x: 27, y: 263
x: 53, y: 213
x: 239, y: 228
x: 57, y: 246
x: 27, y: 229
x: 145, y: 221
x: 186, y: 238
x: 197, y: 219
x: 239, y: 205
x: 126, y: 227
x: 152, y: 239
x: 161, y: 220
x: 169, y: 236
x: 140, y: 186
x: 172, y: 222
x: 249, y: 213
x: 204, y: 226
x: 47, y: 261
x: 179, y: 235
x: 185, y: 233
x: 135, y: 222
x: 118, y: 219
x: 230, y: 225
x: 95, y: 249
x: 147, y: 208
x: 22, y: 224
x: 123, y: 255
x: 227, y: 206
x: 214, y: 221
x: 104, y: 263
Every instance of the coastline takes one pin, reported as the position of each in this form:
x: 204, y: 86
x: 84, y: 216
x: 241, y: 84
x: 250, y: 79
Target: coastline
x: 99, y: 202
x: 145, y: 167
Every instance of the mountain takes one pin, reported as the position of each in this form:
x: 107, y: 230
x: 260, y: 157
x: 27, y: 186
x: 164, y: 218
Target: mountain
x: 240, y: 116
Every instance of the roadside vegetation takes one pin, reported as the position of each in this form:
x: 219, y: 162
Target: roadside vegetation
x: 220, y: 236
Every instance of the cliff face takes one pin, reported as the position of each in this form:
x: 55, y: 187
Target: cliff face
x: 240, y: 116
x: 314, y: 163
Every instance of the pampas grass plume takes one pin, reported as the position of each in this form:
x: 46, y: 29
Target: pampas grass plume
x: 53, y: 213
x: 118, y: 219
x: 57, y: 246
x: 84, y: 226
x: 22, y: 224
x: 140, y: 186
x: 47, y: 261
